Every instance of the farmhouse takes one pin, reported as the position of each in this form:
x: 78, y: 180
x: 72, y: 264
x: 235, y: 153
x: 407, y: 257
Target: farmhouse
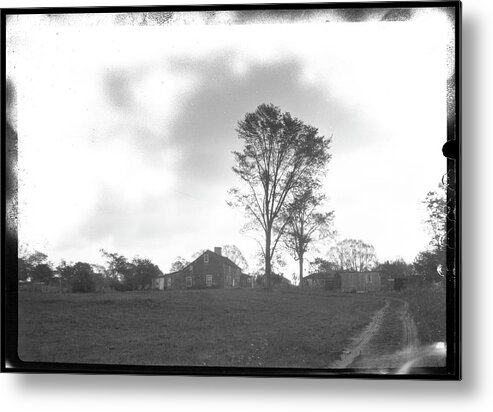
x: 209, y: 270
x: 360, y: 282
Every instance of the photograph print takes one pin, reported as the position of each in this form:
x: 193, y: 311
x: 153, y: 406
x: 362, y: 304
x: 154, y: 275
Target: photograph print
x: 243, y: 190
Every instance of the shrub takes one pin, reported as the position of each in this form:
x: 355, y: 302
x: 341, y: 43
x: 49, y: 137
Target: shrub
x: 80, y: 276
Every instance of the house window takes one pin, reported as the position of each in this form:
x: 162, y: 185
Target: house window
x: 168, y: 282
x: 206, y: 258
x: 189, y: 281
x: 228, y: 280
x: 191, y: 268
x: 229, y: 269
x: 208, y: 280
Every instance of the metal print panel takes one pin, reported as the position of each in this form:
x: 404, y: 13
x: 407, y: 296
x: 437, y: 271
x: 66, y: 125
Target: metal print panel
x: 245, y: 190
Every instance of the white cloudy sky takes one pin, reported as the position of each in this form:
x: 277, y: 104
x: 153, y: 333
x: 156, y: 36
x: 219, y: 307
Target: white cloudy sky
x: 125, y: 132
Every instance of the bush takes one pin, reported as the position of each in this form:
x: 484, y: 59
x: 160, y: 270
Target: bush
x: 121, y: 287
x: 80, y: 277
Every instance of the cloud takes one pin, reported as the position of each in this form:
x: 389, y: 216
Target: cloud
x: 118, y: 90
x: 205, y: 132
x: 140, y: 202
x: 126, y: 141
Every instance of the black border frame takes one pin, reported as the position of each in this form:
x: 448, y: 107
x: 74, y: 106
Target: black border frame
x: 10, y: 361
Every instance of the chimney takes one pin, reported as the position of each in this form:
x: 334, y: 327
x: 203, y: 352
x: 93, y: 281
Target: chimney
x: 218, y: 250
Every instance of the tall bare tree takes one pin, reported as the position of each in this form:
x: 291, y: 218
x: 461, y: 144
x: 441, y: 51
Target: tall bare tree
x: 233, y: 253
x: 354, y: 255
x: 279, y: 153
x: 306, y: 223
x: 178, y: 264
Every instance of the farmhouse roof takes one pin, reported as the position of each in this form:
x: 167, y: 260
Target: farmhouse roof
x: 321, y: 275
x: 224, y: 259
x: 221, y: 258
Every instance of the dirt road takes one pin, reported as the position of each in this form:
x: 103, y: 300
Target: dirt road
x: 390, y: 343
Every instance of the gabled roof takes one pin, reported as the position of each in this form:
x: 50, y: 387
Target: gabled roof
x: 162, y: 275
x: 224, y: 259
x: 221, y: 258
x: 321, y: 275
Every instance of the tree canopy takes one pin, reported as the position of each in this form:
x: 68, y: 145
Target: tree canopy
x: 178, y: 264
x: 233, y: 253
x: 130, y: 275
x: 144, y: 271
x: 34, y: 266
x: 279, y: 153
x: 436, y: 207
x: 353, y: 255
x: 80, y: 276
x: 397, y: 268
x: 41, y: 273
x: 322, y: 265
x: 428, y: 264
x: 431, y: 262
x: 306, y: 223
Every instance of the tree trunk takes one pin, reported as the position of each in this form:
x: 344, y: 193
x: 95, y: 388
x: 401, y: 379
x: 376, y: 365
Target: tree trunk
x: 301, y: 270
x: 268, y: 283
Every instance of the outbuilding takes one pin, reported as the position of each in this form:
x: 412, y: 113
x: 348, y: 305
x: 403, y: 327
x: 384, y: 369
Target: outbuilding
x: 360, y: 282
x: 324, y: 280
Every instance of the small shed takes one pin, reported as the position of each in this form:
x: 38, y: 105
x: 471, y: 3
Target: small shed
x: 360, y: 282
x: 247, y: 281
x: 324, y: 280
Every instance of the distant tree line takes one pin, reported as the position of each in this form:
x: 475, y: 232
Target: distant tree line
x: 124, y: 274
x: 280, y: 168
x: 356, y: 255
x: 305, y: 226
x: 119, y: 273
x: 351, y: 255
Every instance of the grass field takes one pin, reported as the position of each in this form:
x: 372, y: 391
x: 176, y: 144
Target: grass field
x: 283, y: 328
x: 428, y: 308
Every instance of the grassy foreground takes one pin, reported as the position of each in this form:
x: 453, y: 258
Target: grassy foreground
x: 428, y: 308
x: 291, y: 328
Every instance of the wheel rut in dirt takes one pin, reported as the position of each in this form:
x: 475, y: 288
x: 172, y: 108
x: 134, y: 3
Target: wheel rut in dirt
x: 389, y: 341
x: 361, y: 341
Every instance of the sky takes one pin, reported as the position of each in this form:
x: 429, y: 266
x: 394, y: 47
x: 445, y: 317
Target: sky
x: 126, y: 131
